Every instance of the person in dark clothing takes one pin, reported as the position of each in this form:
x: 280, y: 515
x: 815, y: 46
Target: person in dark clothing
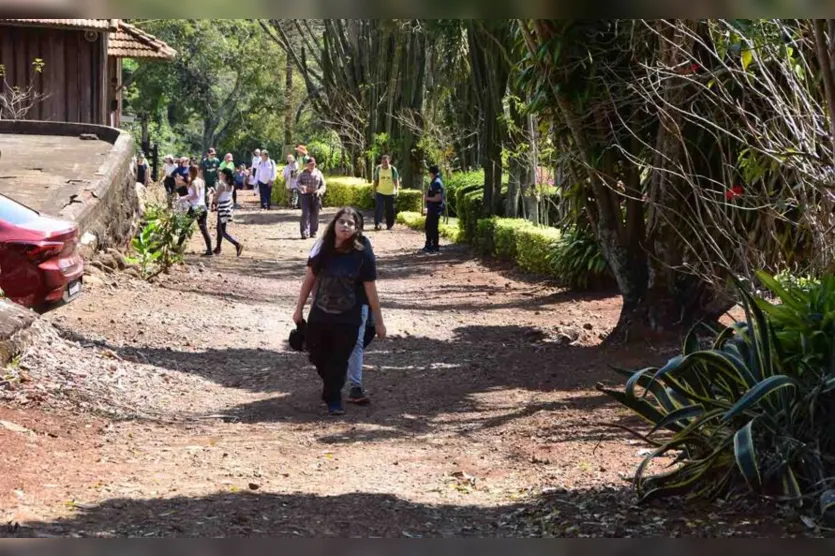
x: 143, y: 174
x: 434, y: 209
x: 342, y: 274
x: 210, y: 167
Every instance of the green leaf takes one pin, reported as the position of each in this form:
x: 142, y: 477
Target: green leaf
x: 681, y: 414
x: 639, y: 406
x: 746, y: 457
x: 747, y: 58
x: 758, y: 393
x: 791, y: 488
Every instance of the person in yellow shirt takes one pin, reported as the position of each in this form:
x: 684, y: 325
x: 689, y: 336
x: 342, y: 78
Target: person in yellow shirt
x: 386, y: 183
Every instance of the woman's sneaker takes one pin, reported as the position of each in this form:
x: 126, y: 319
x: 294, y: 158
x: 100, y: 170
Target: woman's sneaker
x: 357, y: 395
x: 336, y: 408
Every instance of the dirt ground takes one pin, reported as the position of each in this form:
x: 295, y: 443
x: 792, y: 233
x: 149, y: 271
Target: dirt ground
x: 176, y: 409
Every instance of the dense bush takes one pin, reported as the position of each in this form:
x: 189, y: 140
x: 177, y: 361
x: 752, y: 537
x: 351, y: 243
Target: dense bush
x: 343, y: 192
x: 156, y: 247
x: 755, y: 409
x: 578, y: 262
x: 469, y: 200
x: 518, y: 241
x: 417, y: 221
x: 456, y: 181
x: 354, y: 192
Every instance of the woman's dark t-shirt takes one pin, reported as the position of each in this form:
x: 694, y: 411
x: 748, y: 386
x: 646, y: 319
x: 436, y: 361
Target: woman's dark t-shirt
x: 339, y: 292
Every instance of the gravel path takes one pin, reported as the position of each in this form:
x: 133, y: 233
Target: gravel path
x: 176, y: 409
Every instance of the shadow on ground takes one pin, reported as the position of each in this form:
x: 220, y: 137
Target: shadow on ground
x: 475, y: 381
x: 600, y: 512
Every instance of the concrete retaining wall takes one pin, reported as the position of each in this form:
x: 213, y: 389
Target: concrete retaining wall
x: 107, y: 208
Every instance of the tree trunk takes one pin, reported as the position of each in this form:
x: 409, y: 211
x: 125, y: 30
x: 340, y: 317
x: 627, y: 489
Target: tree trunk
x: 288, y: 105
x: 514, y: 187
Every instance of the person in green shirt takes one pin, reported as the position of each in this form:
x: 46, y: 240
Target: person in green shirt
x: 229, y: 164
x: 210, y: 167
x: 386, y: 183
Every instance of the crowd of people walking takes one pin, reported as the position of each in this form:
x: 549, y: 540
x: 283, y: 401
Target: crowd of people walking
x: 345, y: 313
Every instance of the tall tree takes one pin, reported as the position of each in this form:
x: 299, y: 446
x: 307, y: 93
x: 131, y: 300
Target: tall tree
x: 223, y: 80
x: 489, y: 42
x: 696, y: 147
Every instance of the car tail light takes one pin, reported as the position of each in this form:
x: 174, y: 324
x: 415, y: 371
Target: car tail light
x: 43, y: 250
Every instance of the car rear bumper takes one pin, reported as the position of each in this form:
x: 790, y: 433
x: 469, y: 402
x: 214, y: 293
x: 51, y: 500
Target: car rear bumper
x: 59, y: 275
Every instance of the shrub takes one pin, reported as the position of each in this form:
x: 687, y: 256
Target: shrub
x: 409, y: 200
x: 456, y: 181
x: 417, y: 221
x: 484, y: 239
x: 755, y: 409
x: 342, y: 192
x: 357, y: 193
x: 578, y: 262
x: 469, y: 200
x: 533, y: 245
x: 518, y: 241
x: 156, y: 246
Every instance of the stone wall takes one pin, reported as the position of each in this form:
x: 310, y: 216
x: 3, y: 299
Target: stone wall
x: 107, y: 210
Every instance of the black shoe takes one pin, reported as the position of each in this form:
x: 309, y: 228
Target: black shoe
x: 208, y: 254
x: 377, y: 227
x: 357, y: 396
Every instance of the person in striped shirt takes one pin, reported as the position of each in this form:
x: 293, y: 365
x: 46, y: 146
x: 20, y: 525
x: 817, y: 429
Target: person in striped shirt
x: 224, y: 202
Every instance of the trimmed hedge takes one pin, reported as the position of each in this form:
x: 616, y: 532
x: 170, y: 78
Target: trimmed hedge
x: 455, y: 182
x: 469, y: 200
x: 345, y: 191
x: 357, y: 193
x: 518, y: 241
x: 417, y: 221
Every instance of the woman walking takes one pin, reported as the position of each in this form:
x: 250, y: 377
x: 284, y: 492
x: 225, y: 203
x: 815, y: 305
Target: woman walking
x: 342, y: 274
x: 229, y: 162
x: 224, y: 202
x: 196, y: 198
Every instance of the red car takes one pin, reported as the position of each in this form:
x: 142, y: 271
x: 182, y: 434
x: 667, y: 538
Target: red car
x: 39, y: 260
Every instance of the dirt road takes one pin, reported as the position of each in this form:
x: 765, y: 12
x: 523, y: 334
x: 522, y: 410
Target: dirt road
x: 180, y: 410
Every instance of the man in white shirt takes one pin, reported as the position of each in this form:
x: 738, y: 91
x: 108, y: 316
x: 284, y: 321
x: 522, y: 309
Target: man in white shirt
x: 266, y: 174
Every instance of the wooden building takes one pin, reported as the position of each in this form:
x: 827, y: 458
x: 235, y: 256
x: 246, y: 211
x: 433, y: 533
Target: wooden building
x: 81, y: 71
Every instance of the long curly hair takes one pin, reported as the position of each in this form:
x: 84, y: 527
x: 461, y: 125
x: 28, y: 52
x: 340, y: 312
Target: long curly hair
x: 328, y: 247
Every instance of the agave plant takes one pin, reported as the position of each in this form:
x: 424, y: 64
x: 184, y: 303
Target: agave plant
x: 757, y: 408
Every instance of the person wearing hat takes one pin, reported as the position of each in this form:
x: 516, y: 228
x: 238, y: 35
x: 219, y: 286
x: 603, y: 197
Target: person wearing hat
x: 311, y: 189
x: 434, y: 200
x: 302, y: 155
